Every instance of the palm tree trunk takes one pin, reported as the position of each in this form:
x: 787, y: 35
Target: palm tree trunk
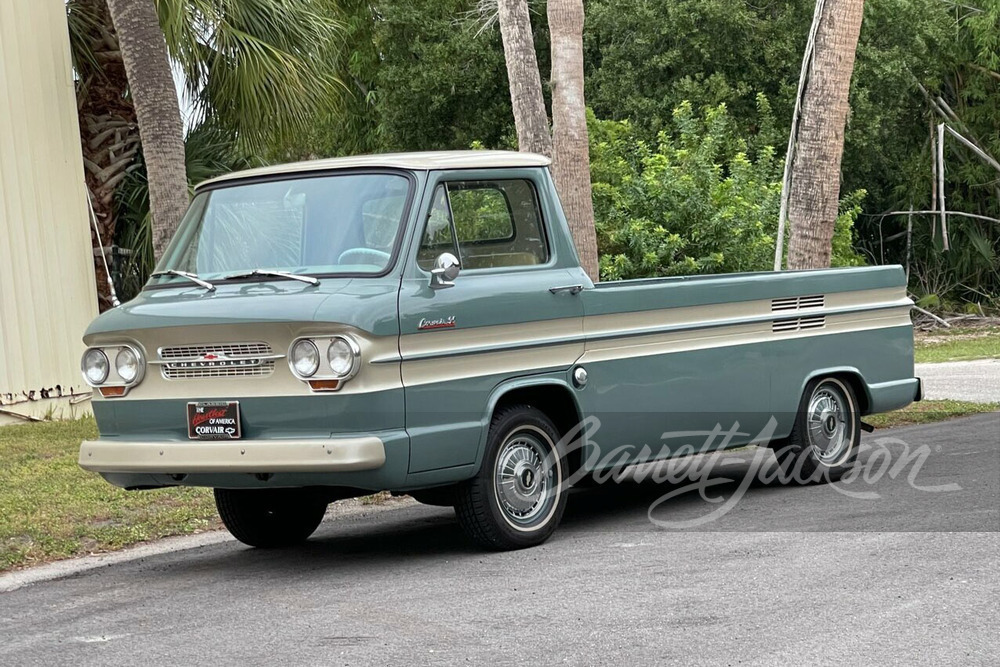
x: 815, y: 179
x: 109, y: 135
x: 144, y: 51
x: 570, y: 142
x: 525, y: 83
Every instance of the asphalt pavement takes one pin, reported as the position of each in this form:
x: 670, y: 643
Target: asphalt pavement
x: 896, y: 566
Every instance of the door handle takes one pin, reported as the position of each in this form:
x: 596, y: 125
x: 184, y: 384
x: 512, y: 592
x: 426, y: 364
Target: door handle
x: 571, y: 289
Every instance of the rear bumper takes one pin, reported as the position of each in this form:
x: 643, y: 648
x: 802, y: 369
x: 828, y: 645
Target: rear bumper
x: 888, y: 396
x: 235, y: 456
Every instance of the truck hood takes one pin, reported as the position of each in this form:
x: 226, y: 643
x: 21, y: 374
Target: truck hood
x: 369, y: 304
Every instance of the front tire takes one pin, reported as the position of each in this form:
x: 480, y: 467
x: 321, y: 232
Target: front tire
x: 269, y: 518
x: 824, y: 442
x: 517, y: 499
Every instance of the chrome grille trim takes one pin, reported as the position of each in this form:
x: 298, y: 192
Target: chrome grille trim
x: 227, y: 349
x: 181, y: 362
x: 262, y: 370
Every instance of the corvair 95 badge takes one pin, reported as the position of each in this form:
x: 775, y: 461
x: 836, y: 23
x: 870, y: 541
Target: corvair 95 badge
x: 440, y: 323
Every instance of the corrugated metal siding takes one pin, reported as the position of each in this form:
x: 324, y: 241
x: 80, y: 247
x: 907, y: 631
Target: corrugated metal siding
x: 46, y: 272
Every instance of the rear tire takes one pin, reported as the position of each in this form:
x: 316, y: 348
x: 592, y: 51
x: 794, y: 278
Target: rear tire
x: 824, y: 442
x: 270, y: 518
x: 517, y: 499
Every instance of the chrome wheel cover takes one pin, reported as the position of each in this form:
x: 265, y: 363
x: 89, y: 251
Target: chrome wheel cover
x: 525, y: 478
x: 830, y: 423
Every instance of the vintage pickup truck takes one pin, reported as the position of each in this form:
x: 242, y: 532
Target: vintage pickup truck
x: 419, y: 323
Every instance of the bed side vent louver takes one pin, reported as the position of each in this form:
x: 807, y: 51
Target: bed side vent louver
x: 798, y: 323
x: 797, y: 303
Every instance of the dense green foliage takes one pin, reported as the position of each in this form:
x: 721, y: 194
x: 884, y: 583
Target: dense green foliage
x: 693, y: 201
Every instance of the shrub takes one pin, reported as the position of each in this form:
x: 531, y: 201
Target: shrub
x: 702, y: 200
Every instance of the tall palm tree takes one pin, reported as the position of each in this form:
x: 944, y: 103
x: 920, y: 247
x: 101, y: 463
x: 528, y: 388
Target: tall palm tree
x: 814, y: 192
x: 570, y: 143
x: 257, y: 72
x: 151, y: 84
x: 525, y: 83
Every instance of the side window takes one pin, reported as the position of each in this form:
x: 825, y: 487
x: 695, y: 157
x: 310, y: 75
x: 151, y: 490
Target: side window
x: 497, y: 224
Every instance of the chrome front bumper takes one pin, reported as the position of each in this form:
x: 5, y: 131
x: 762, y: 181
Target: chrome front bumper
x: 251, y: 456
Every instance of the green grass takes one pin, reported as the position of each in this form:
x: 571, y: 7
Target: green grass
x: 50, y: 508
x: 958, y: 344
x: 926, y: 412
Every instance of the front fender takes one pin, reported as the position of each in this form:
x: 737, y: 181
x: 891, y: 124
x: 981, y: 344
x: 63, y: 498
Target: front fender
x: 558, y: 379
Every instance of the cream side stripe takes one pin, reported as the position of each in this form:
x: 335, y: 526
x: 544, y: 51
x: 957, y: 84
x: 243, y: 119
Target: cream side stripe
x: 486, y: 340
x: 444, y: 369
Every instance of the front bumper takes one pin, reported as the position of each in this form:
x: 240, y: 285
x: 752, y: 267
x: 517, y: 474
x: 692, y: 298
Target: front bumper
x: 347, y: 454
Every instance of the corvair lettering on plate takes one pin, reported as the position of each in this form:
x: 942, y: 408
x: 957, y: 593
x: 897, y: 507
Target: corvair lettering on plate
x: 214, y: 421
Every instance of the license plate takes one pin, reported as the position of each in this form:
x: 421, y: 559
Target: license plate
x: 218, y: 420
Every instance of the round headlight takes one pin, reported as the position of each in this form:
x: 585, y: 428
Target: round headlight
x: 127, y: 365
x: 95, y: 366
x: 305, y: 358
x: 342, y: 357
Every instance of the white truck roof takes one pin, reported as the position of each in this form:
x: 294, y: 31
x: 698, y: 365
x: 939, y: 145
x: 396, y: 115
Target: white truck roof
x: 425, y: 161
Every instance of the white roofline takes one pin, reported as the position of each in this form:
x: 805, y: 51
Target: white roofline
x: 426, y: 161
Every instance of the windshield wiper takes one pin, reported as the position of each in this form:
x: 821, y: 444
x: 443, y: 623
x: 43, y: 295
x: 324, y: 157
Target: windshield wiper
x: 277, y: 274
x: 193, y: 277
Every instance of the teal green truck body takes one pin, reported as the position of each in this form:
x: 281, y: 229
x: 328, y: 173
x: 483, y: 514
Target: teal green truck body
x: 661, y: 357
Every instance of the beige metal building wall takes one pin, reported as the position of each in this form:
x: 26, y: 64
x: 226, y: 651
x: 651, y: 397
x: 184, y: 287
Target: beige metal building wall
x: 46, y: 269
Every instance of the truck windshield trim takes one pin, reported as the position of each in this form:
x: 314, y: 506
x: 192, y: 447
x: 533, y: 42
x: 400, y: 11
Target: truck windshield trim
x: 183, y: 237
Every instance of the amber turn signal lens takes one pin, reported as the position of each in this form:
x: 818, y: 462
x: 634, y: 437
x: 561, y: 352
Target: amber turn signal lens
x: 324, y: 385
x: 109, y: 392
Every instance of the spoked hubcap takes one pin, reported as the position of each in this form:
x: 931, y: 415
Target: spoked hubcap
x: 829, y: 423
x: 525, y: 479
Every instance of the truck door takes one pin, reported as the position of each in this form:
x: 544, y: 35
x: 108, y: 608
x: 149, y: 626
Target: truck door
x: 512, y: 311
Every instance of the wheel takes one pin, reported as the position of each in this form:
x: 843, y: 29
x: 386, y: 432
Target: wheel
x: 824, y: 442
x: 517, y: 499
x: 269, y: 518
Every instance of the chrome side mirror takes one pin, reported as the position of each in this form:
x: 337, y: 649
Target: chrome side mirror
x: 446, y: 268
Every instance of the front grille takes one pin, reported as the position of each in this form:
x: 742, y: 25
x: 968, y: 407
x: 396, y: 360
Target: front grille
x: 266, y: 368
x: 235, y: 360
x: 227, y: 349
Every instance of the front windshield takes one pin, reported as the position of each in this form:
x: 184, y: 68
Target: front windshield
x: 341, y: 224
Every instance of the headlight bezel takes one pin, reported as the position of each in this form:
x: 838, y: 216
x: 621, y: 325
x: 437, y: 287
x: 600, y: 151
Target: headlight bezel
x: 325, y: 378
x: 113, y: 379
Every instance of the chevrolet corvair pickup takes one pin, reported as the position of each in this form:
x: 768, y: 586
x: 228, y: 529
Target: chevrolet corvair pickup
x: 420, y: 323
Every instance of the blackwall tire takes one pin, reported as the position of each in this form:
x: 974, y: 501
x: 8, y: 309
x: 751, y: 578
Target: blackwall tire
x: 269, y: 518
x: 518, y: 497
